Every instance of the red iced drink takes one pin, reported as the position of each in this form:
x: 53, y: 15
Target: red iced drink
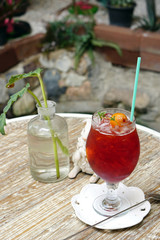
x: 112, y: 146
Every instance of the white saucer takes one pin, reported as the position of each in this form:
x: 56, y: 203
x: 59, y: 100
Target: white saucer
x: 82, y: 204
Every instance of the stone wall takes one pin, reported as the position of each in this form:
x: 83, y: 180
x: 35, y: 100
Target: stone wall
x: 88, y: 88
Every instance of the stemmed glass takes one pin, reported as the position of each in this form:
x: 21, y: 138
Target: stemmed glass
x: 113, y: 150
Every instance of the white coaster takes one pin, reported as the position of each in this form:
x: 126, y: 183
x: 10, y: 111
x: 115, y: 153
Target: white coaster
x: 82, y: 204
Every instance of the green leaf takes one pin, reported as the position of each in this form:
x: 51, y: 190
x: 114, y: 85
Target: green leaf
x: 102, y: 115
x: 113, y: 118
x: 12, y: 99
x: 80, y: 50
x: 81, y: 47
x: 18, y: 77
x: 2, y: 123
x: 91, y: 55
x: 101, y: 43
x: 63, y: 148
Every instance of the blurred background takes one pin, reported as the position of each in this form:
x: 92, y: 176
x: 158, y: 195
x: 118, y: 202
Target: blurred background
x: 88, y: 56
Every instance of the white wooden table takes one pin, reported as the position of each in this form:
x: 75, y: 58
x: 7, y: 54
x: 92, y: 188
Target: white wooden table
x: 34, y: 210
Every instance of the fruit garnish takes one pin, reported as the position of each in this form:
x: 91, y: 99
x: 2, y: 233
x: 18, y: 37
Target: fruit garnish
x: 117, y: 119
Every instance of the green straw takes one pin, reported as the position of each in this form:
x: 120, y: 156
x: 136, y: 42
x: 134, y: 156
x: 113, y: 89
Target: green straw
x: 135, y: 88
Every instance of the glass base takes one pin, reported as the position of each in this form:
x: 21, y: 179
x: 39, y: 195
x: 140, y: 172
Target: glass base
x: 49, y: 175
x: 109, y: 208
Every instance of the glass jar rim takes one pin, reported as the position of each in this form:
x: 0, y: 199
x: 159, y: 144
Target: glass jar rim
x: 50, y: 104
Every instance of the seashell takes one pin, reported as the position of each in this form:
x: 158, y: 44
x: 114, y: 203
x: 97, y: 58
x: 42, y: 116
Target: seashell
x: 79, y: 157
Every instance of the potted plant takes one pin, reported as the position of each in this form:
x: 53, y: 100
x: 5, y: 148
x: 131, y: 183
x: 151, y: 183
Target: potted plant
x: 60, y: 34
x: 82, y: 8
x: 9, y: 27
x: 77, y: 32
x: 47, y: 134
x: 120, y: 12
x: 150, y: 22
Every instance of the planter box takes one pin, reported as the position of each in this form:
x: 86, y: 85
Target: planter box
x: 128, y: 41
x: 8, y: 58
x: 134, y: 43
x: 17, y: 50
x: 150, y: 51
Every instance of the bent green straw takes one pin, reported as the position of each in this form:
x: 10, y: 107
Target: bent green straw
x: 135, y: 88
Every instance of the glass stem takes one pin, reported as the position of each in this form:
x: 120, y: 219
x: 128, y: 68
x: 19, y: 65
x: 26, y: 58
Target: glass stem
x: 112, y: 191
x: 43, y: 91
x: 35, y: 97
x: 52, y: 132
x: 112, y: 200
x: 54, y: 148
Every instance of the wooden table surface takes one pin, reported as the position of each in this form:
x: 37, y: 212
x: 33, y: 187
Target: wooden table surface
x: 34, y: 210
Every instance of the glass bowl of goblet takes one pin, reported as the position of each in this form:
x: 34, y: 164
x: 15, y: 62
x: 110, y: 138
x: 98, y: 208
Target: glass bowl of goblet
x: 113, y: 150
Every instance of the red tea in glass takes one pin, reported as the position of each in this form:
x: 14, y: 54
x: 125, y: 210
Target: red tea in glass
x: 112, y: 149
